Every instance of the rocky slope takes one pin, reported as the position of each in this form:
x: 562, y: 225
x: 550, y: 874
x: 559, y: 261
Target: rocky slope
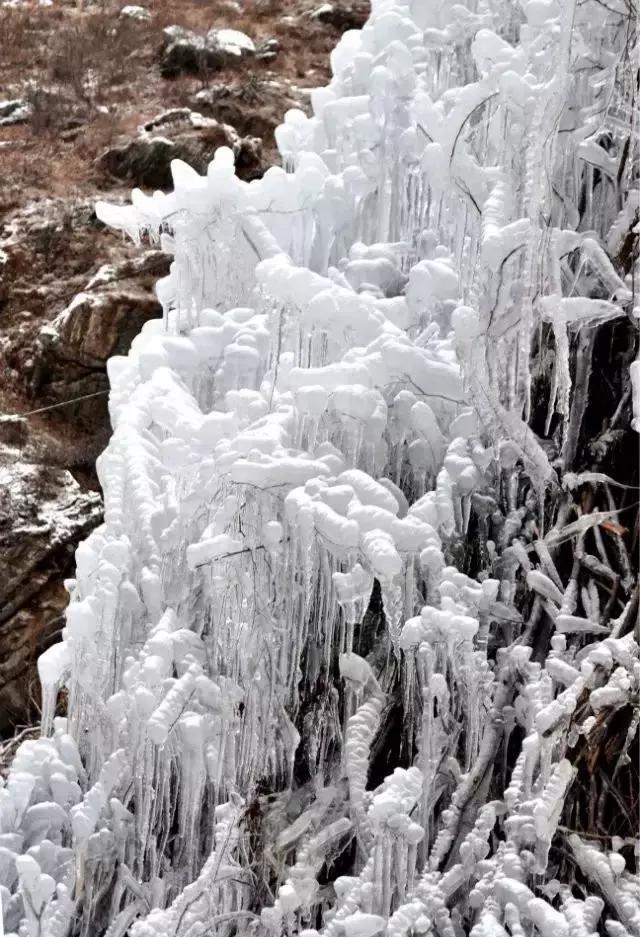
x: 96, y: 99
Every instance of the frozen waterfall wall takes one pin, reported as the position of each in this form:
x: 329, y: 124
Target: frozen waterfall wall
x: 328, y: 669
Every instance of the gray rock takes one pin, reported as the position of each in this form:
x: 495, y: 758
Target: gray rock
x: 183, y: 52
x: 95, y: 326
x: 172, y: 116
x: 343, y: 15
x: 183, y: 134
x: 99, y: 322
x: 43, y: 516
x: 267, y: 50
x: 70, y: 352
x: 186, y: 52
x: 145, y: 161
x: 16, y: 111
x: 14, y: 430
x: 136, y: 13
x: 254, y: 109
x: 230, y: 45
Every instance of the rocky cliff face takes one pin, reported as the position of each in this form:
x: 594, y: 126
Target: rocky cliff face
x: 93, y: 101
x: 43, y: 514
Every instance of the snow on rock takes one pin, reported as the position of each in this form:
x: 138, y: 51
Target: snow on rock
x: 15, y: 111
x: 231, y: 41
x: 137, y: 13
x: 185, y: 51
x: 176, y: 134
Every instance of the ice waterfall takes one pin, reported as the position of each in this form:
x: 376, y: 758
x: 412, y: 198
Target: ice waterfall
x: 328, y: 672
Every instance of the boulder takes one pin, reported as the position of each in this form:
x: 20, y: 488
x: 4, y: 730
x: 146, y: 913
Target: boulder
x: 179, y: 134
x: 100, y: 321
x: 95, y: 326
x: 343, y: 15
x: 47, y: 253
x: 267, y: 50
x: 43, y: 516
x: 16, y: 111
x: 14, y: 431
x: 254, y: 108
x: 45, y: 108
x: 186, y: 52
x: 51, y: 354
x: 136, y: 14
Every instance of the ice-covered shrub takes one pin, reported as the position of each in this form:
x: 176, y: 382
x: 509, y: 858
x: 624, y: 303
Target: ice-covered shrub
x: 350, y: 633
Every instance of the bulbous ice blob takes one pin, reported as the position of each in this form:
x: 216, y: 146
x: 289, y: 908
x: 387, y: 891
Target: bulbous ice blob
x: 223, y: 159
x: 539, y: 12
x: 360, y: 924
x: 379, y: 548
x: 466, y: 324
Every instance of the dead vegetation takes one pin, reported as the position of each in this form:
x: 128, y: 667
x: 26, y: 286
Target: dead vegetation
x: 91, y: 76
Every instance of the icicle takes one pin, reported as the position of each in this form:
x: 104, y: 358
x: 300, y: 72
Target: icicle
x: 331, y: 424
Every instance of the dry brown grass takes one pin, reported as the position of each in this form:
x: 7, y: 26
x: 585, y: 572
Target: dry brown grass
x: 23, y: 38
x: 73, y: 64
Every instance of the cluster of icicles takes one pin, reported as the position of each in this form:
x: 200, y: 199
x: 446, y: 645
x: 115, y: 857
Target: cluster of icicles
x: 338, y: 388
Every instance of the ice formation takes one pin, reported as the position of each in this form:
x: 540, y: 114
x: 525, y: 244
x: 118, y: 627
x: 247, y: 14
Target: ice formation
x: 334, y: 407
